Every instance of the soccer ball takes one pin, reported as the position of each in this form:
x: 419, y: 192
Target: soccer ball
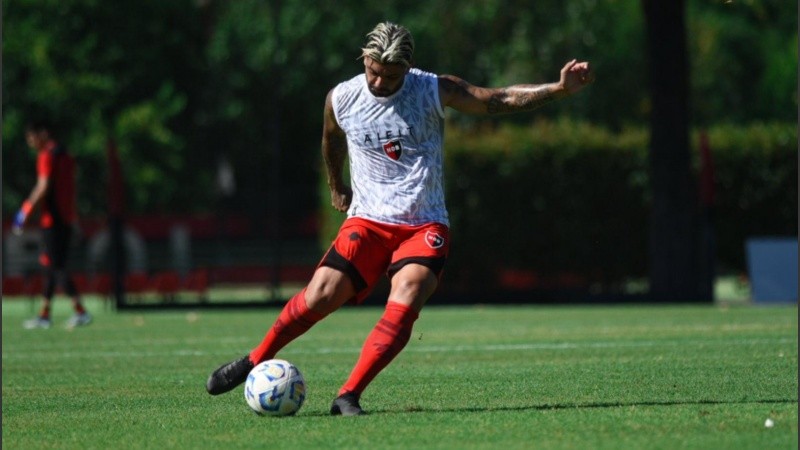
x: 275, y: 388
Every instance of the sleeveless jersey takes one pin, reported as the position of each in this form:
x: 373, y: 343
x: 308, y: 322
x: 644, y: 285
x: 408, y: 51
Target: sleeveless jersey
x: 395, y: 149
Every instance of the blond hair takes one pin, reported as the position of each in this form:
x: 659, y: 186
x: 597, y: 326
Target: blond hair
x: 389, y: 43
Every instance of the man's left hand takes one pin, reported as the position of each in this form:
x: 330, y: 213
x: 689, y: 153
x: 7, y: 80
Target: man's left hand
x: 575, y: 75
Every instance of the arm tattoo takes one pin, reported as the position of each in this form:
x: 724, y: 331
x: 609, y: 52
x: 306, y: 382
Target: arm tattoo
x: 520, y: 98
x: 334, y: 151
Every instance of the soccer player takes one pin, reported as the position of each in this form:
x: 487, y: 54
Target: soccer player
x: 389, y: 122
x: 54, y: 193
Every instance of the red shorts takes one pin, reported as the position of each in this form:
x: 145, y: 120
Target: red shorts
x: 365, y: 250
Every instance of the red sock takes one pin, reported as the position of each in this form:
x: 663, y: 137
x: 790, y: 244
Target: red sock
x: 387, y: 339
x: 294, y: 320
x: 79, y: 309
x: 44, y: 313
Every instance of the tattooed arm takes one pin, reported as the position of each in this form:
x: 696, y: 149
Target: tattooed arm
x: 334, y: 152
x: 467, y: 98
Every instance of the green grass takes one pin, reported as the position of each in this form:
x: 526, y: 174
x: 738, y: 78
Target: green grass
x: 649, y: 377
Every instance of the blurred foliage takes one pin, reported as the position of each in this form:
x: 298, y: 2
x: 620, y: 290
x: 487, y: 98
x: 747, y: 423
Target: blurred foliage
x: 743, y: 60
x: 575, y: 198
x: 756, y: 185
x: 181, y: 85
x: 100, y: 70
x: 569, y: 197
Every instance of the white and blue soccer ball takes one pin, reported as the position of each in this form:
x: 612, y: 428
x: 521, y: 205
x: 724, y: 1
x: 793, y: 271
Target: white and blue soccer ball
x: 275, y: 388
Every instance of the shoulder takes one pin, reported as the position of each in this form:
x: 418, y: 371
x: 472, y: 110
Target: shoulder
x: 415, y: 72
x: 329, y: 96
x: 424, y: 86
x: 421, y: 78
x: 346, y: 94
x: 355, y: 83
x: 350, y: 87
x: 451, y: 86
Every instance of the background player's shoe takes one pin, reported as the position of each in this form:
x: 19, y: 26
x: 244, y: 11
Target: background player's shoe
x: 228, y: 376
x: 346, y: 405
x: 79, y: 320
x: 36, y: 322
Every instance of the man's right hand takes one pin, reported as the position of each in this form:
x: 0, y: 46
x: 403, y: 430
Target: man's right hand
x: 340, y: 199
x: 19, y: 222
x: 21, y: 218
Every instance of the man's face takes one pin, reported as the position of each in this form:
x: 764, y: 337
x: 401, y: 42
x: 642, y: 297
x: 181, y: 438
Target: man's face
x: 36, y: 140
x: 384, y: 80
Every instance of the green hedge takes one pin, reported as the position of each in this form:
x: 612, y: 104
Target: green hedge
x: 570, y: 202
x: 756, y: 186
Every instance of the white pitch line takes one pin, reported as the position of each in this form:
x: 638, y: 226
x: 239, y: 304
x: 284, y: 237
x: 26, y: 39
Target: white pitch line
x: 9, y: 354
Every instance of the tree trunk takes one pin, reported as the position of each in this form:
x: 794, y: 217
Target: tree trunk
x: 673, y: 261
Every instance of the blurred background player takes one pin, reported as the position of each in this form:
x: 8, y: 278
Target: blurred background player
x: 389, y: 121
x: 55, y: 195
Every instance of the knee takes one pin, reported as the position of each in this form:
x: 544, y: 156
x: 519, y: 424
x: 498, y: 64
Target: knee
x: 409, y: 288
x: 413, y: 289
x: 327, y: 291
x: 317, y: 294
x: 321, y: 298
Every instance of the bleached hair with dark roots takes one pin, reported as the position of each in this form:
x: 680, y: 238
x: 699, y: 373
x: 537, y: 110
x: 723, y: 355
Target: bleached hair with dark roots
x: 389, y: 43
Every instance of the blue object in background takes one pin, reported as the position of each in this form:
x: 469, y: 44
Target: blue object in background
x: 772, y: 263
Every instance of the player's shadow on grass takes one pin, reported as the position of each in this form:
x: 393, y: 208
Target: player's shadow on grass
x: 558, y: 406
x: 590, y: 405
x: 600, y: 405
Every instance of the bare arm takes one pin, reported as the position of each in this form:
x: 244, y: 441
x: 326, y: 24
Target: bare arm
x: 464, y: 97
x: 37, y: 194
x: 334, y: 152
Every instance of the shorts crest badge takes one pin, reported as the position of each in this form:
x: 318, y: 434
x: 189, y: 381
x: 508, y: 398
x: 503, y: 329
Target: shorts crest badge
x: 433, y: 239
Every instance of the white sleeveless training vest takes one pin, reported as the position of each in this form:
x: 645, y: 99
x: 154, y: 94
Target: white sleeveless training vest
x: 395, y: 149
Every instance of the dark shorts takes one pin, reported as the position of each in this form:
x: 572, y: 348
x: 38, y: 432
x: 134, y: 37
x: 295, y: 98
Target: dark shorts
x: 55, y: 250
x: 365, y: 250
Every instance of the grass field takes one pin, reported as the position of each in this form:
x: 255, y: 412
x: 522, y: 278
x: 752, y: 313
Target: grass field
x: 611, y: 377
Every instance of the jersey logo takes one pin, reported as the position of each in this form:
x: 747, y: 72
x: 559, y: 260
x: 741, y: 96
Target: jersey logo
x: 393, y: 149
x: 433, y: 239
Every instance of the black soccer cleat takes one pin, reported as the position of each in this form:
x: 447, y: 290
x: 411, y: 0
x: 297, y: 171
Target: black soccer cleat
x: 228, y: 376
x: 346, y: 405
